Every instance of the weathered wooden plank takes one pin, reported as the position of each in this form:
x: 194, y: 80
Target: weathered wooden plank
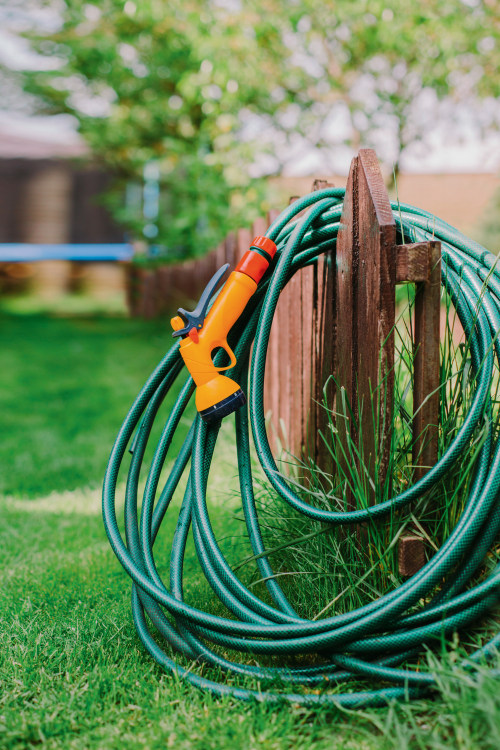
x: 295, y: 366
x: 324, y: 367
x: 375, y: 311
x: 259, y: 227
x: 272, y: 373
x: 230, y: 247
x: 426, y: 366
x: 149, y: 296
x: 321, y: 184
x: 346, y: 283
x: 309, y: 360
x: 322, y: 353
x: 283, y: 383
x: 164, y: 286
x: 285, y: 319
x: 412, y: 262
x: 243, y: 240
x: 426, y: 377
x: 411, y: 555
x: 220, y: 255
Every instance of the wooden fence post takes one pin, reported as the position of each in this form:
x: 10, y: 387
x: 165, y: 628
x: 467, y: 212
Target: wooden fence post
x: 411, y: 552
x: 366, y: 279
x: 369, y: 264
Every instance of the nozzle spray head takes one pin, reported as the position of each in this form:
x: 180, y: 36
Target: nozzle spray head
x: 204, y: 330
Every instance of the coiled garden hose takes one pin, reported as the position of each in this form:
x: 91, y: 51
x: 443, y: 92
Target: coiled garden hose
x: 373, y: 640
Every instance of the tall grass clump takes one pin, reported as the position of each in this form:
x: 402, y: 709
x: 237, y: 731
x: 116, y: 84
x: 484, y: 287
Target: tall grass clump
x: 327, y: 570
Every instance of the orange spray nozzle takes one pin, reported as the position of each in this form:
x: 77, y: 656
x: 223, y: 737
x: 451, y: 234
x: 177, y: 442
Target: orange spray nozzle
x: 201, y: 331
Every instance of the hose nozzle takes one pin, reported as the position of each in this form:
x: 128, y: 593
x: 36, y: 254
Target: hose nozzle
x: 202, y: 331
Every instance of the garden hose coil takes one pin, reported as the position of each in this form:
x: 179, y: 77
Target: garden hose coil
x: 318, y: 659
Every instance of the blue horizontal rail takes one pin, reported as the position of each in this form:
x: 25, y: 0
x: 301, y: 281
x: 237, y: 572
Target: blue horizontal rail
x: 13, y: 252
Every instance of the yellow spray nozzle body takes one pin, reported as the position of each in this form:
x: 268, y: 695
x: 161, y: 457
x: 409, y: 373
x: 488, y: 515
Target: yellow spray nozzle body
x: 216, y: 394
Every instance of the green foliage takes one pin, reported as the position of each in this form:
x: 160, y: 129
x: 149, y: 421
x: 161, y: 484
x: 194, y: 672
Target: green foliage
x: 199, y: 90
x: 389, y: 63
x: 164, y: 85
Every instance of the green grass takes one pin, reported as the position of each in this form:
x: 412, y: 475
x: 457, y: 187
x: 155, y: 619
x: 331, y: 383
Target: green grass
x: 73, y: 673
x: 66, y: 385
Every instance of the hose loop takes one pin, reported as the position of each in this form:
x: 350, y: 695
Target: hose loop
x: 370, y: 642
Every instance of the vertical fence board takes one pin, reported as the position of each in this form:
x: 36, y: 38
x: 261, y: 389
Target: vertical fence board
x: 426, y: 377
x: 220, y: 255
x: 309, y: 361
x: 272, y: 373
x: 282, y: 385
x: 324, y: 365
x: 426, y: 366
x: 294, y: 366
x: 259, y: 227
x: 243, y: 240
x: 230, y: 248
x: 375, y: 311
x: 346, y: 281
x: 321, y: 356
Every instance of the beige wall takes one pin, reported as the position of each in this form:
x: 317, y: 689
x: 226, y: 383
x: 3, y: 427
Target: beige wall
x: 460, y: 199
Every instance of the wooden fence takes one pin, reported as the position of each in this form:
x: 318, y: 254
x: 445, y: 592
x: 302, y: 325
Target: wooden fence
x: 336, y: 316
x: 301, y: 343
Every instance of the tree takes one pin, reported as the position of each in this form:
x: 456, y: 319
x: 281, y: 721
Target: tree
x: 194, y: 92
x: 163, y: 88
x: 385, y: 66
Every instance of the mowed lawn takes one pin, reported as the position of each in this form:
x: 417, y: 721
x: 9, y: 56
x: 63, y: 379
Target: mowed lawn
x: 73, y: 673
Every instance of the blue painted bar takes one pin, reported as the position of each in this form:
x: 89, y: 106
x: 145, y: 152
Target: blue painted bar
x: 27, y: 253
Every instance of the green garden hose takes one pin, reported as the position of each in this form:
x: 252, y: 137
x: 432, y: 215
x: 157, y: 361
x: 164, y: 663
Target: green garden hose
x: 373, y: 640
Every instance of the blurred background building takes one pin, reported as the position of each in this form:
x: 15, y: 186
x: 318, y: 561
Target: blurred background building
x: 51, y: 193
x: 168, y: 110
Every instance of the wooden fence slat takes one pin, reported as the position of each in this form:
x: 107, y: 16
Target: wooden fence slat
x: 243, y: 240
x: 346, y: 280
x: 426, y: 366
x: 366, y: 312
x: 149, y: 296
x: 426, y: 380
x: 324, y: 358
x: 324, y: 336
x: 375, y: 305
x: 283, y: 383
x: 220, y: 255
x: 272, y: 373
x: 259, y: 227
x: 309, y: 360
x: 412, y: 262
x: 300, y: 391
x: 231, y: 249
x: 164, y: 281
x: 295, y: 366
